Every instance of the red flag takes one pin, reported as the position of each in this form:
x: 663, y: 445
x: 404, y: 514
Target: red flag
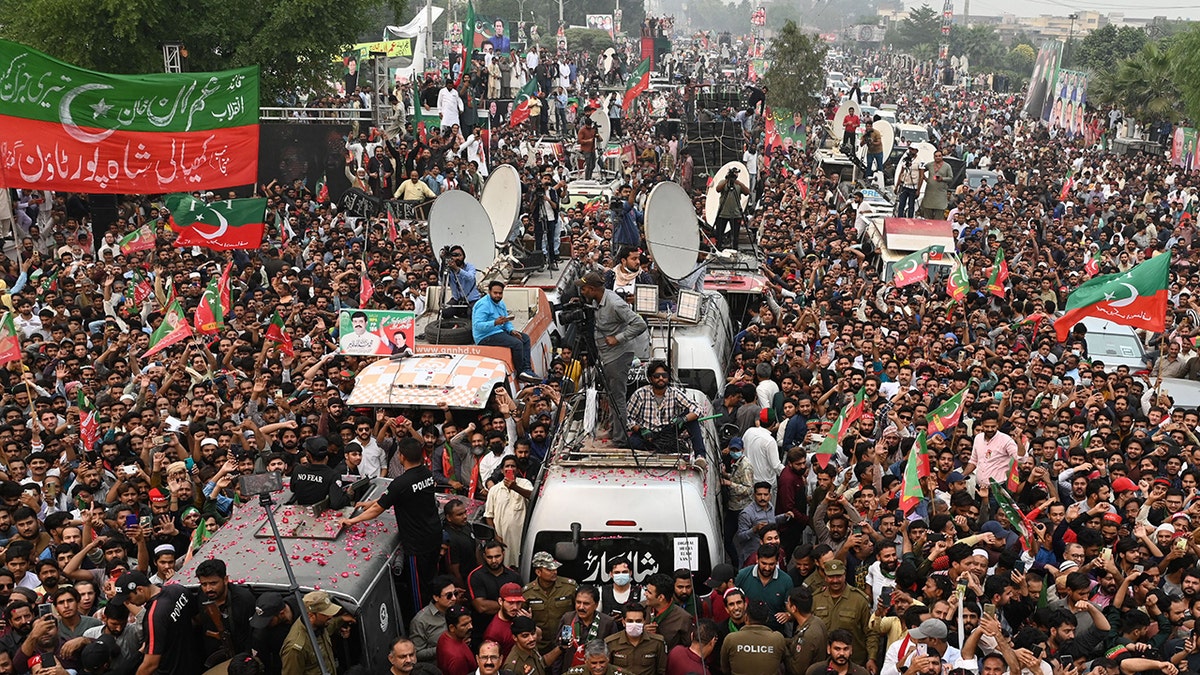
x: 225, y: 291
x: 638, y: 82
x: 1091, y: 266
x: 366, y: 289
x: 209, y: 319
x: 10, y: 342
x: 995, y: 284
x: 89, y: 426
x: 391, y: 226
x: 276, y: 334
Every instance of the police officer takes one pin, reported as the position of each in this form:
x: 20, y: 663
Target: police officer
x: 756, y: 648
x: 269, y: 627
x: 548, y: 597
x: 317, y: 480
x: 596, y: 661
x: 845, y: 607
x: 298, y: 655
x: 634, y: 650
x: 524, y: 658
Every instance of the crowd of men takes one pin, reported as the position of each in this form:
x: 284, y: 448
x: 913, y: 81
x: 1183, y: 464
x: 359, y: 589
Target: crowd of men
x: 825, y: 573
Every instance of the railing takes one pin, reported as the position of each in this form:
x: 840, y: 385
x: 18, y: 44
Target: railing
x: 314, y: 114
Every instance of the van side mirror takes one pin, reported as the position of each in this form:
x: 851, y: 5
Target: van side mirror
x: 568, y: 551
x: 482, y: 532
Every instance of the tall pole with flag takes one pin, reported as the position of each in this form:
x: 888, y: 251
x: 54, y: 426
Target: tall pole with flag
x: 468, y: 42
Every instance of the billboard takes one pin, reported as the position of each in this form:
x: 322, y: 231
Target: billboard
x: 602, y: 22
x: 1070, y: 100
x: 1185, y: 148
x: 369, y: 332
x: 1039, y: 97
x: 308, y: 154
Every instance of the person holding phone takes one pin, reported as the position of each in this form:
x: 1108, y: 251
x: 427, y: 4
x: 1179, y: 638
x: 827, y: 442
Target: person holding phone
x: 491, y: 326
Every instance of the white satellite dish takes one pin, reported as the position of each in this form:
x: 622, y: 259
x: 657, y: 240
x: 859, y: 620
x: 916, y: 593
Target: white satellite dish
x: 672, y: 236
x: 603, y: 128
x: 501, y: 198
x: 712, y: 200
x: 888, y: 135
x: 925, y: 152
x: 456, y: 219
x: 843, y: 110
x: 606, y: 63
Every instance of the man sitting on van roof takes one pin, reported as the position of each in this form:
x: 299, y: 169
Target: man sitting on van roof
x: 657, y: 411
x: 491, y: 326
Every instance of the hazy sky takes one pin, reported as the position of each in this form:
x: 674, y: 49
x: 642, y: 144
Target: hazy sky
x: 1143, y: 8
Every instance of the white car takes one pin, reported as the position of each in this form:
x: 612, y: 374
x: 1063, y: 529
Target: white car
x: 1114, y: 344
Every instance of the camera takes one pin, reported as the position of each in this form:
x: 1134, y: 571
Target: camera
x: 733, y: 174
x: 577, y: 313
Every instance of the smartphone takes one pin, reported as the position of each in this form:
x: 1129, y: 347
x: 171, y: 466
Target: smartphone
x: 48, y: 661
x: 509, y: 473
x: 161, y: 439
x: 899, y: 517
x: 989, y: 610
x: 857, y: 529
x: 1066, y: 661
x: 1181, y: 544
x: 45, y: 609
x: 189, y: 463
x: 131, y: 521
x: 129, y: 470
x: 1139, y: 568
x: 885, y: 596
x: 145, y: 522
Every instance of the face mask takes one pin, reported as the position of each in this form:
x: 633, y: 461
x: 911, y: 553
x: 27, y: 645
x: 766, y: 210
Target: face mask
x: 1086, y: 382
x: 496, y: 448
x: 736, y: 455
x: 622, y: 579
x: 634, y: 629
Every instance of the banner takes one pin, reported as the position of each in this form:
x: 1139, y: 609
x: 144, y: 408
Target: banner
x: 1070, y: 98
x: 68, y: 129
x: 1185, y: 148
x: 602, y: 22
x: 790, y: 127
x: 1039, y: 98
x: 369, y: 332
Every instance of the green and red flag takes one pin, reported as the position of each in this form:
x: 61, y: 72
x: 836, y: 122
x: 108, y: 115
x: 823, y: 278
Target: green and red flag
x: 854, y: 410
x: 637, y: 82
x: 141, y: 239
x: 10, y: 340
x: 224, y: 291
x: 1135, y: 298
x: 1018, y: 522
x: 911, y: 268
x: 947, y: 415
x: 1013, y: 475
x: 958, y: 283
x: 1090, y: 265
x: 210, y: 316
x: 468, y: 42
x: 221, y: 226
x: 67, y: 129
x: 174, y: 328
x: 911, y: 491
x: 89, y: 426
x: 995, y: 284
x: 1068, y: 185
x: 1031, y: 320
x: 520, y: 110
x: 276, y: 334
x: 841, y: 426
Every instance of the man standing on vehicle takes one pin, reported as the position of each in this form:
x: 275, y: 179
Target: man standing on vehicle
x: 412, y: 495
x: 587, y: 146
x: 621, y: 335
x: 937, y: 186
x: 635, y: 651
x: 912, y: 176
x: 874, y: 143
x: 491, y: 325
x: 729, y: 209
x: 548, y: 597
x: 317, y: 481
x: 663, y: 411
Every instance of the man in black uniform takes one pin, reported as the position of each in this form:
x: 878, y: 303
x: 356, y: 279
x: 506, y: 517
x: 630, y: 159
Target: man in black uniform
x: 225, y: 611
x: 273, y: 618
x: 317, y: 480
x: 412, y: 496
x: 170, y: 643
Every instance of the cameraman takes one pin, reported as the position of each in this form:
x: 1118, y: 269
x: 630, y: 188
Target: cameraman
x: 729, y: 213
x: 464, y: 288
x: 911, y: 178
x: 620, y: 335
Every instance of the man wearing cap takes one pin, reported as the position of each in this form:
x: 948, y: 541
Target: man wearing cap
x: 317, y: 481
x: 500, y: 629
x: 524, y: 658
x: 754, y: 649
x: 720, y: 580
x: 298, y: 655
x: 269, y: 627
x: 171, y: 640
x: 548, y: 597
x: 634, y: 650
x: 845, y: 607
x: 621, y: 335
x: 932, y: 633
x: 96, y: 656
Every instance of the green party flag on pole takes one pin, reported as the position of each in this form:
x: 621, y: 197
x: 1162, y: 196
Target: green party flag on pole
x: 1017, y: 521
x: 89, y: 426
x: 995, y: 284
x: 10, y: 341
x: 276, y: 334
x: 468, y: 42
x: 1136, y: 298
x: 947, y: 415
x: 841, y: 426
x: 221, y: 226
x: 638, y: 82
x: 911, y: 268
x: 958, y: 283
x: 521, y: 103
x: 911, y: 492
x: 141, y: 239
x: 210, y: 316
x: 174, y: 328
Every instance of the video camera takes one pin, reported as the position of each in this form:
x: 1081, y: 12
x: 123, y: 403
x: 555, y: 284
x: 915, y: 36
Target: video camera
x: 574, y: 312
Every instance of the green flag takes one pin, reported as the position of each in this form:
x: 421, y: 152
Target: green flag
x: 638, y: 82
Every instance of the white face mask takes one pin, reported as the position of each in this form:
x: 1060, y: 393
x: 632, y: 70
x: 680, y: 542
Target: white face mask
x: 634, y: 629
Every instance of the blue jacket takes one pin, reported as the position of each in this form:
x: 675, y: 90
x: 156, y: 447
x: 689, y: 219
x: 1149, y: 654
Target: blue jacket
x: 483, y: 318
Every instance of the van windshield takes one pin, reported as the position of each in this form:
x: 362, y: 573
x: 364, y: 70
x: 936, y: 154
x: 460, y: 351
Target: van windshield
x: 647, y: 552
x: 1111, y: 344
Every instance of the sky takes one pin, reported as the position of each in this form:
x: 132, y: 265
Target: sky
x: 1172, y: 9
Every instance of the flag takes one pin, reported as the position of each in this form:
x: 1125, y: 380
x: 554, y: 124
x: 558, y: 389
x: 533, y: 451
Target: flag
x: 911, y: 268
x: 841, y: 426
x: 854, y: 410
x: 957, y: 283
x: 468, y: 41
x: 1017, y: 521
x: 142, y: 291
x: 638, y: 81
x: 323, y: 185
x: 1068, y: 184
x: 89, y: 426
x: 1014, y: 475
x: 392, y: 235
x: 1090, y: 265
x: 224, y: 291
x: 210, y: 316
x: 911, y: 492
x: 10, y: 341
x: 366, y: 289
x: 224, y: 225
x: 174, y: 328
x: 141, y: 239
x: 67, y: 129
x: 995, y: 284
x: 275, y: 334
x: 947, y: 415
x: 520, y: 110
x: 1031, y: 320
x: 1135, y: 298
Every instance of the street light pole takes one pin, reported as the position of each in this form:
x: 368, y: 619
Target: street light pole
x: 1071, y: 38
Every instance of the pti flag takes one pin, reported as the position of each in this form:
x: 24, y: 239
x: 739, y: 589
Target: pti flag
x: 221, y: 226
x: 173, y: 328
x: 957, y: 283
x: 995, y: 284
x: 520, y: 111
x: 67, y: 129
x: 1135, y: 298
x: 911, y: 492
x: 210, y: 316
x: 141, y: 239
x: 639, y: 81
x: 89, y: 426
x: 468, y: 42
x: 10, y: 343
x: 947, y: 415
x: 275, y: 334
x: 912, y: 268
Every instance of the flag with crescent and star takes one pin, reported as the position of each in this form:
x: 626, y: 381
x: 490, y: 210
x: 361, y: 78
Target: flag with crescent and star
x: 10, y: 342
x: 172, y: 329
x: 638, y: 82
x: 520, y: 110
x: 995, y: 284
x: 1136, y: 298
x: 67, y: 129
x: 221, y: 226
x: 914, y: 267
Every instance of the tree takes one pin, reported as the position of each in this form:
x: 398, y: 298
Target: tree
x: 1020, y: 59
x: 1102, y: 49
x: 1185, y: 55
x: 797, y: 73
x: 921, y: 28
x: 587, y: 40
x: 293, y: 41
x: 1143, y: 86
x: 980, y: 44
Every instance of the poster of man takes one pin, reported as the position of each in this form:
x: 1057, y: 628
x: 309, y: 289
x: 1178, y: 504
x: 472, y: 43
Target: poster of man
x: 375, y: 332
x: 602, y: 22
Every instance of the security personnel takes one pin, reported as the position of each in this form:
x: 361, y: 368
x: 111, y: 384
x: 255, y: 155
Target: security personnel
x: 298, y: 655
x: 548, y: 597
x: 756, y: 648
x: 634, y: 650
x: 524, y: 658
x: 846, y: 607
x: 596, y: 661
x: 316, y: 480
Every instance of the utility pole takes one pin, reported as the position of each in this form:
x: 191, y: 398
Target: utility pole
x: 1071, y: 40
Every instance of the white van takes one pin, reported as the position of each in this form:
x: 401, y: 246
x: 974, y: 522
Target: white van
x: 594, y: 502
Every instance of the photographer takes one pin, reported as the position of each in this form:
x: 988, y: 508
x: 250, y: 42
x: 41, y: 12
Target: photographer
x: 729, y: 214
x: 464, y: 288
x: 912, y: 176
x: 620, y: 335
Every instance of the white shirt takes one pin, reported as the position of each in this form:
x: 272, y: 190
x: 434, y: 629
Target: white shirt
x: 762, y: 452
x: 373, y: 459
x: 766, y: 391
x: 449, y: 105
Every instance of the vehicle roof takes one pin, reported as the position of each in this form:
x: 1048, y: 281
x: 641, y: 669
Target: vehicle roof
x: 1185, y: 393
x: 424, y: 380
x: 345, y: 566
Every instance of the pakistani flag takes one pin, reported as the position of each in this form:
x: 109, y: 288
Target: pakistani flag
x: 521, y: 103
x: 1135, y: 298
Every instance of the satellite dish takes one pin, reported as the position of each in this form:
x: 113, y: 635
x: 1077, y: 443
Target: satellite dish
x: 712, y: 200
x: 888, y: 135
x: 456, y: 219
x: 672, y: 237
x: 606, y: 63
x: 603, y: 127
x: 501, y: 198
x: 925, y: 152
x: 840, y: 116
